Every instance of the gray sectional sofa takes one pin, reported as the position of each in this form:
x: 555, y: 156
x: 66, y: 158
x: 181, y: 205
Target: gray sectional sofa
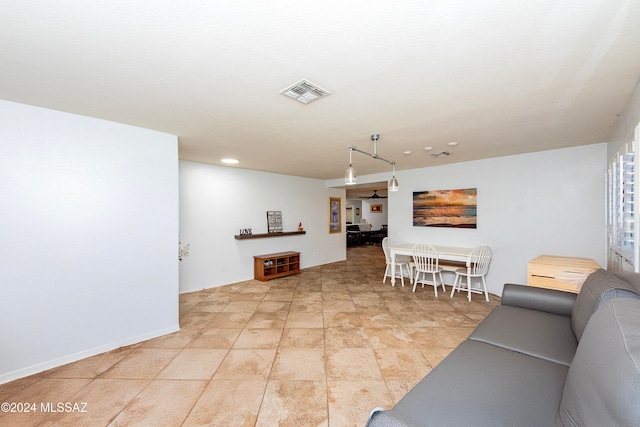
x: 541, y: 358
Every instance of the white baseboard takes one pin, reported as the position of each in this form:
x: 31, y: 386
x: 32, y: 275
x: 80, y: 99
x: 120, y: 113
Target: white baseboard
x: 35, y: 369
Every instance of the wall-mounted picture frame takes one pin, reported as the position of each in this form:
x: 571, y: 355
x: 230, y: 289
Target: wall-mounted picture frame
x: 446, y: 208
x: 375, y: 208
x: 357, y: 211
x: 335, y: 215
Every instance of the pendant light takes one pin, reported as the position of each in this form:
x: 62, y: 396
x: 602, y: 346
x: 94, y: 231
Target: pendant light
x: 350, y: 176
x: 393, y: 182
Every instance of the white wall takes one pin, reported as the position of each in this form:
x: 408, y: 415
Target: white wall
x: 217, y: 201
x: 550, y: 202
x: 376, y: 219
x: 89, y: 220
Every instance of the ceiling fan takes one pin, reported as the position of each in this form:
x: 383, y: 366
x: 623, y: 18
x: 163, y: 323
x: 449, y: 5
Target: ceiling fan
x: 374, y: 196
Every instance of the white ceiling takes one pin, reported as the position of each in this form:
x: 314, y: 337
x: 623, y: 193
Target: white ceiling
x: 500, y: 77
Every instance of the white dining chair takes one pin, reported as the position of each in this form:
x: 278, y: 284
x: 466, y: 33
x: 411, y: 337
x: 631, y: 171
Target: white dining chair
x: 402, y: 262
x: 479, y: 259
x: 425, y: 260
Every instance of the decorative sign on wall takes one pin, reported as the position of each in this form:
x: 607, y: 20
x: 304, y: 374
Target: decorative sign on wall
x: 274, y: 221
x: 445, y: 208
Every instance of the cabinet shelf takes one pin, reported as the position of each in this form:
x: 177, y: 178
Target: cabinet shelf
x: 270, y: 266
x: 263, y: 235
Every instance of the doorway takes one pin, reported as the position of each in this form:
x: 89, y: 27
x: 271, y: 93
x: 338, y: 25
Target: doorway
x: 349, y: 216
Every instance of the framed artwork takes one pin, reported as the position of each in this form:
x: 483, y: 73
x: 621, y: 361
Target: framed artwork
x: 357, y: 211
x: 446, y: 208
x: 274, y: 221
x: 375, y: 208
x: 335, y: 215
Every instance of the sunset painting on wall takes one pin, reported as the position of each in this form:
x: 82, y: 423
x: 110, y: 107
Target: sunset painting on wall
x: 445, y: 208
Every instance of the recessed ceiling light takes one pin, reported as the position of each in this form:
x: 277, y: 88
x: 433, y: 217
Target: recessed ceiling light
x: 428, y: 148
x: 452, y: 144
x: 230, y: 161
x: 406, y: 153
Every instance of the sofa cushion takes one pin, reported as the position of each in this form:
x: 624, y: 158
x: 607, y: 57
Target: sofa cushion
x: 603, y: 383
x: 536, y: 333
x: 480, y: 384
x: 599, y: 287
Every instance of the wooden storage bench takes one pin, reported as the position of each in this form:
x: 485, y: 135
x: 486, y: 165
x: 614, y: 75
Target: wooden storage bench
x: 560, y: 272
x: 280, y: 264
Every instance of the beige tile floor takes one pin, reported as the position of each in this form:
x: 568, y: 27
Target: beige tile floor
x: 321, y: 348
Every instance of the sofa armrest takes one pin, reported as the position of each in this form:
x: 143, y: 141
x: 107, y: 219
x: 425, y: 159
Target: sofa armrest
x: 548, y: 300
x: 390, y: 418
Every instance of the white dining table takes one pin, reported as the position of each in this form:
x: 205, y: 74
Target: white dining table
x: 450, y: 253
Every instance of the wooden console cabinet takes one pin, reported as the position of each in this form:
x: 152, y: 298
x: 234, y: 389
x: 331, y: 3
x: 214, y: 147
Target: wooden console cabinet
x: 559, y: 272
x: 270, y: 266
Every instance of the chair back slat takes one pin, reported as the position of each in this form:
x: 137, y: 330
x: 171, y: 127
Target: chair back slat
x: 386, y: 242
x: 425, y: 257
x: 480, y: 260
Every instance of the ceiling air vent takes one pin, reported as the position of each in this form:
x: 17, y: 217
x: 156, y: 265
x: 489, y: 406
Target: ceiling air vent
x: 305, y: 91
x: 440, y: 154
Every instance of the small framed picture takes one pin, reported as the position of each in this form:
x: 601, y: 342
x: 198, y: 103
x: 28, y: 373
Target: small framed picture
x: 274, y: 221
x: 335, y: 215
x: 376, y: 208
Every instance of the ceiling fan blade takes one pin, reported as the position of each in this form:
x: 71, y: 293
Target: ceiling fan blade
x: 374, y: 196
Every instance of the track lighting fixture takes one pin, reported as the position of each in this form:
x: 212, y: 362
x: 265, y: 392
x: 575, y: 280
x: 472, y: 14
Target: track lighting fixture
x: 350, y: 176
